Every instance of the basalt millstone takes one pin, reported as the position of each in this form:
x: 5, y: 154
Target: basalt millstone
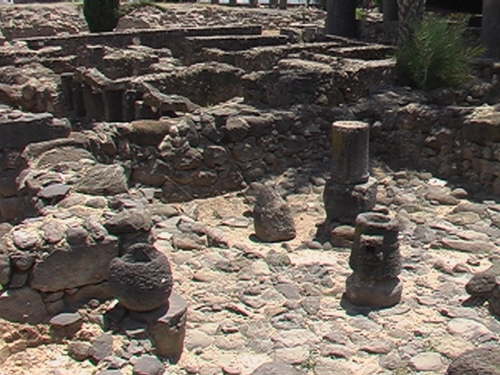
x: 376, y: 262
x: 141, y: 279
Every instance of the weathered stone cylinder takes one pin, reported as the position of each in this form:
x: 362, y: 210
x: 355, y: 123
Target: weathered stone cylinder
x: 350, y: 152
x: 141, y: 279
x: 376, y: 262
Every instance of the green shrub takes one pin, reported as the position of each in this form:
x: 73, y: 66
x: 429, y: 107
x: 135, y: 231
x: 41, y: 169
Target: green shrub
x: 101, y: 15
x: 437, y: 55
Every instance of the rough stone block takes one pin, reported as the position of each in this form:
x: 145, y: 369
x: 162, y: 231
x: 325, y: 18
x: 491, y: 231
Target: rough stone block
x: 76, y: 266
x: 167, y: 327
x: 23, y: 305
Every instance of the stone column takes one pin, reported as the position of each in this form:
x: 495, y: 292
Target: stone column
x: 94, y: 103
x: 128, y: 105
x: 490, y: 31
x: 350, y: 190
x: 282, y: 4
x: 77, y: 98
x: 390, y: 10
x: 67, y: 90
x: 376, y: 262
x: 113, y: 101
x: 341, y: 18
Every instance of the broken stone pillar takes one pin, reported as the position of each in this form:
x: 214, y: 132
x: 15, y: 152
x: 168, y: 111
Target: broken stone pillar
x: 67, y: 90
x: 113, y: 101
x: 282, y: 4
x: 77, y: 97
x: 350, y: 190
x: 128, y: 105
x: 376, y: 262
x: 93, y: 103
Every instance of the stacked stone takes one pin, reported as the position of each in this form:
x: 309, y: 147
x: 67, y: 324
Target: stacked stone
x: 350, y: 190
x: 141, y: 279
x: 376, y: 262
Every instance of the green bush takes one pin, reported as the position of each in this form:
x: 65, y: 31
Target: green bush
x: 101, y: 15
x: 437, y: 55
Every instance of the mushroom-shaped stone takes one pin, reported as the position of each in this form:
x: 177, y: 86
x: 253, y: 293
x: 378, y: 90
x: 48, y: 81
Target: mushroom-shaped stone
x: 141, y: 279
x: 273, y: 219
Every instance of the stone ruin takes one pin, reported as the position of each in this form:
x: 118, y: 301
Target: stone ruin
x: 101, y: 158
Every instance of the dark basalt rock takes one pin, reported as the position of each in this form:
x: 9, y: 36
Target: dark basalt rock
x: 482, y: 284
x: 141, y: 279
x: 273, y: 220
x: 481, y: 361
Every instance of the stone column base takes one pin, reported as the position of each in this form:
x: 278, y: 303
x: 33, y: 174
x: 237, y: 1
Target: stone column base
x: 343, y: 203
x: 166, y: 327
x: 383, y: 293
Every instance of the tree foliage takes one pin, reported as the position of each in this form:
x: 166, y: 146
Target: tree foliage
x: 101, y: 15
x: 436, y: 55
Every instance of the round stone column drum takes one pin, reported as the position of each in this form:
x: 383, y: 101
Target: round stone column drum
x: 141, y: 279
x: 350, y: 152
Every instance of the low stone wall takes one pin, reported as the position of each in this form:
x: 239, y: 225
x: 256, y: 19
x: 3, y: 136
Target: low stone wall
x: 461, y: 144
x: 162, y: 38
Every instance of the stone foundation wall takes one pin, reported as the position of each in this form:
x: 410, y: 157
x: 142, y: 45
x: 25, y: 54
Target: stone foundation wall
x: 461, y: 144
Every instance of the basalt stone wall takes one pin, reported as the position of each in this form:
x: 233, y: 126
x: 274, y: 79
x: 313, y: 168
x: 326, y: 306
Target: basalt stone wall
x: 458, y: 143
x: 173, y: 39
x: 18, y: 130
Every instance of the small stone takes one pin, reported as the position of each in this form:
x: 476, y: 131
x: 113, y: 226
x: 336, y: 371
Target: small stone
x: 468, y: 329
x: 76, y: 235
x: 148, y: 365
x: 54, y: 191
x: 102, y: 347
x: 79, y: 350
x: 109, y: 372
x: 429, y: 361
x: 377, y: 347
x: 236, y: 222
x: 66, y: 324
x: 24, y: 239
x: 276, y: 368
x: 18, y: 279
x: 23, y: 261
x: 459, y: 193
x: 342, y: 236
